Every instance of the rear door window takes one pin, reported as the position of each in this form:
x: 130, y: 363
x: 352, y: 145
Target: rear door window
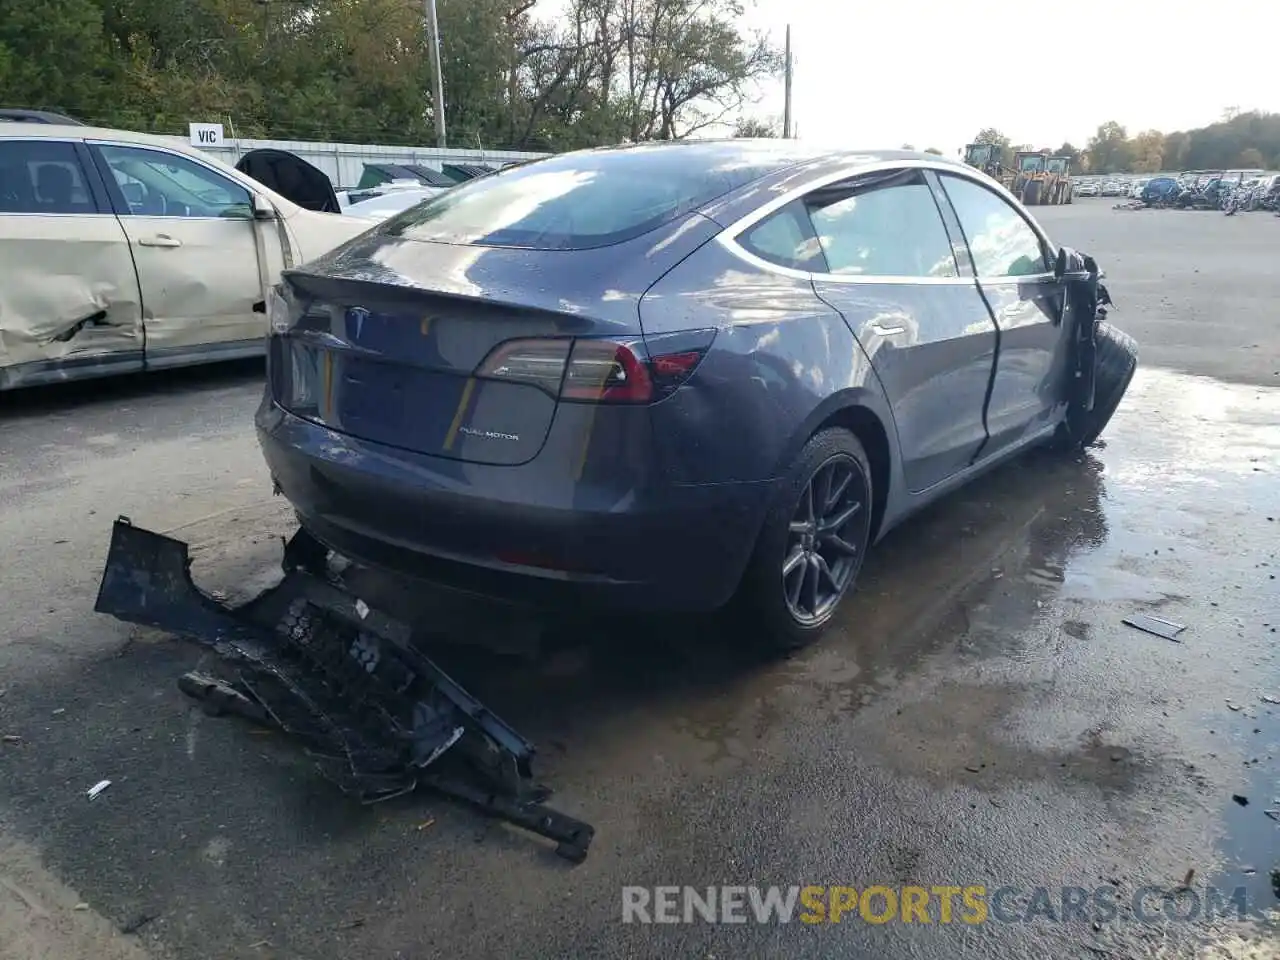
x: 585, y: 200
x: 1001, y: 241
x: 42, y: 176
x: 887, y: 226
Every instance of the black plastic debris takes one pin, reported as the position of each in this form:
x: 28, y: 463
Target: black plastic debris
x: 1161, y: 628
x: 307, y: 657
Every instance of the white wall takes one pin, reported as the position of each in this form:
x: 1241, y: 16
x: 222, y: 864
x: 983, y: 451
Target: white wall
x: 344, y: 162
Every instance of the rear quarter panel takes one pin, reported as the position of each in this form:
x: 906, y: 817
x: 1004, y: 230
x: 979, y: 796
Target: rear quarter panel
x: 782, y: 361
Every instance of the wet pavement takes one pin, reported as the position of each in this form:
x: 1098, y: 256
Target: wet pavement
x: 979, y: 714
x: 1197, y: 288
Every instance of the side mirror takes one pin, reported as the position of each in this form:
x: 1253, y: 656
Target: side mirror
x: 1060, y: 263
x: 263, y: 209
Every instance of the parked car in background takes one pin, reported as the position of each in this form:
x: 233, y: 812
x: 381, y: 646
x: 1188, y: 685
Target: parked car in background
x: 1088, y: 188
x: 462, y: 172
x: 122, y: 252
x: 292, y: 177
x: 20, y: 115
x: 1269, y: 191
x: 348, y: 199
x: 381, y: 174
x: 387, y: 203
x: 1135, y: 188
x: 1160, y: 190
x: 676, y: 375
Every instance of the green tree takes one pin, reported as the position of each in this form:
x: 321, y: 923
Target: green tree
x: 480, y: 50
x: 640, y: 70
x: 1221, y: 144
x: 700, y: 65
x: 1071, y: 153
x: 1109, y: 149
x: 1176, y: 147
x: 1251, y: 158
x: 1147, y: 152
x: 53, y: 54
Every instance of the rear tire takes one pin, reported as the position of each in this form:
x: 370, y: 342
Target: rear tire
x: 1116, y: 359
x: 810, y: 549
x: 1031, y: 194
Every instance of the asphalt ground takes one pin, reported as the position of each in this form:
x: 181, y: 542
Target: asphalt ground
x: 979, y: 716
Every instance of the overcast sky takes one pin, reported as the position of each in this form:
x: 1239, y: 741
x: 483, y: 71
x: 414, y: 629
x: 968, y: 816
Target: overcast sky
x: 932, y: 73
x: 881, y: 74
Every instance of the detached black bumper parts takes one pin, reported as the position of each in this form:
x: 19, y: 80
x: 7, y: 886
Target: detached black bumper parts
x: 376, y: 715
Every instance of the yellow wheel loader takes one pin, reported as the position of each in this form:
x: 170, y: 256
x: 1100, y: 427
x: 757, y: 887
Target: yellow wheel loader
x: 985, y: 157
x: 1039, y: 179
x: 1060, y: 167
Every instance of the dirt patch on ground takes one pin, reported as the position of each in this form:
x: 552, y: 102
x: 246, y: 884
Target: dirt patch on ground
x: 41, y: 919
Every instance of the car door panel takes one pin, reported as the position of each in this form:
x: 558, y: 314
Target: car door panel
x: 69, y: 298
x: 1011, y: 259
x: 195, y: 248
x: 923, y: 324
x: 934, y: 371
x: 199, y: 282
x: 1028, y: 389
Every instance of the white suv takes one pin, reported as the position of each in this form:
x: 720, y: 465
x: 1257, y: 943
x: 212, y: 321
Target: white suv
x: 122, y: 252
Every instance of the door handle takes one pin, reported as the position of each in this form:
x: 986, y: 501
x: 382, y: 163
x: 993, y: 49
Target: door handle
x: 886, y: 330
x: 160, y: 240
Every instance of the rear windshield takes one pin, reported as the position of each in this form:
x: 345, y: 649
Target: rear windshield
x: 583, y: 200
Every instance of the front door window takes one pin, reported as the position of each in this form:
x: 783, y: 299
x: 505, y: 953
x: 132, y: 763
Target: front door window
x: 160, y: 184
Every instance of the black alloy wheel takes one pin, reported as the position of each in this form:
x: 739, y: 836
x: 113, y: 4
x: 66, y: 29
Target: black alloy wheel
x: 811, y: 544
x: 824, y: 549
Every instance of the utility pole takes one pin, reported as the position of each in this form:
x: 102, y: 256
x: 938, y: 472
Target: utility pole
x: 786, y: 106
x: 433, y: 25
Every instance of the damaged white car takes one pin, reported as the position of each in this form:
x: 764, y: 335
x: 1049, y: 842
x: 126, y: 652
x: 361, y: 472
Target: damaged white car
x: 122, y: 252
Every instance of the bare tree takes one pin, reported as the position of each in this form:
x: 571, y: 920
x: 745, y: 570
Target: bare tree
x: 637, y: 69
x: 754, y: 127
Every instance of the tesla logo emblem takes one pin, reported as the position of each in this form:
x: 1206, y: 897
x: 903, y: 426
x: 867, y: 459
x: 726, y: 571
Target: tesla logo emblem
x: 356, y: 317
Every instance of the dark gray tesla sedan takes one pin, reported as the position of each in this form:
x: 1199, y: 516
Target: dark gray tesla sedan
x: 677, y: 376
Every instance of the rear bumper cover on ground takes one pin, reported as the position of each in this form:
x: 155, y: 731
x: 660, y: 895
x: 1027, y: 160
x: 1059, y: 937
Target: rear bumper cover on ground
x: 307, y: 656
x: 483, y: 528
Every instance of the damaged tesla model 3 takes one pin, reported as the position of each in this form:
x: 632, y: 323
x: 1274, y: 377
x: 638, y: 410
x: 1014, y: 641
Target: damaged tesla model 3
x: 679, y: 376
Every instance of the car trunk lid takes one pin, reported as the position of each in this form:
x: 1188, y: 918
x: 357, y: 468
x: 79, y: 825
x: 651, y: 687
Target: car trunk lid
x: 386, y: 338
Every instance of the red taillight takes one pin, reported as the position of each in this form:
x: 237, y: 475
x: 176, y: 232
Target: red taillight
x: 602, y: 371
x: 675, y: 365
x: 589, y: 370
x: 536, y: 362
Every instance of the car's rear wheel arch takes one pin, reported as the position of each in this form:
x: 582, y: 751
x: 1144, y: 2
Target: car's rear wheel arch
x: 855, y: 411
x: 866, y: 426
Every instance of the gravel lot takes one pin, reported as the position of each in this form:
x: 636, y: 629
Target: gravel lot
x: 979, y: 716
